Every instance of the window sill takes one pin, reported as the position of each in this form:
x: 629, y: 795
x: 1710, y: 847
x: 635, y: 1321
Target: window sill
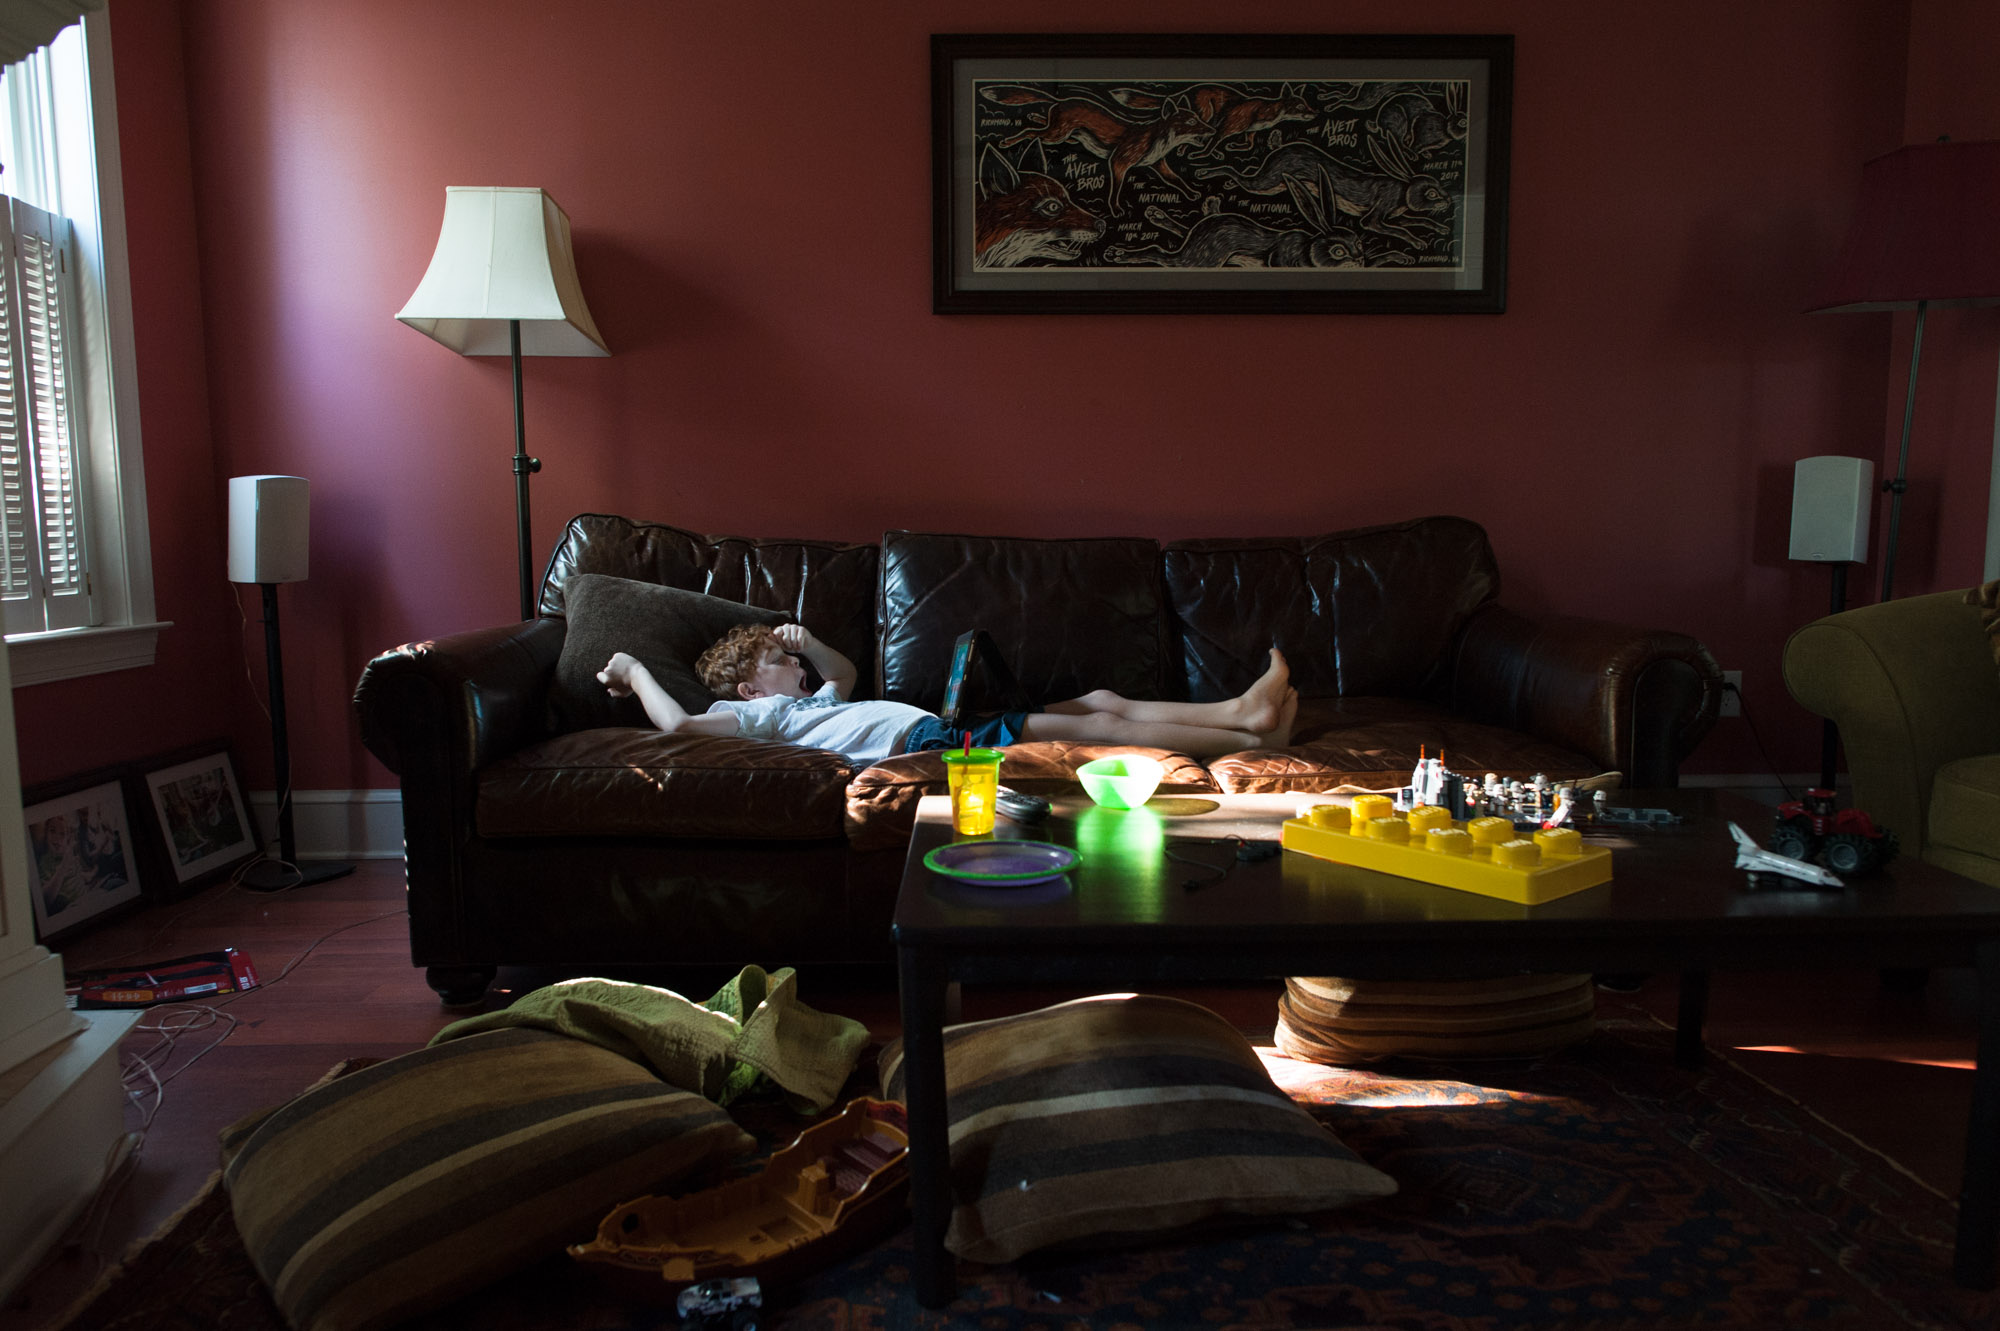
x: 43, y: 658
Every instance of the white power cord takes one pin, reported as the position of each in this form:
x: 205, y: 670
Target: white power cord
x: 145, y: 1074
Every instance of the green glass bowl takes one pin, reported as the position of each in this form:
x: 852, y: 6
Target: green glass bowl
x: 1122, y: 781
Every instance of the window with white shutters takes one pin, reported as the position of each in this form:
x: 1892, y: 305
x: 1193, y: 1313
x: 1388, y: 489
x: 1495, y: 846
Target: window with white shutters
x: 46, y: 582
x: 76, y: 578
x: 16, y: 501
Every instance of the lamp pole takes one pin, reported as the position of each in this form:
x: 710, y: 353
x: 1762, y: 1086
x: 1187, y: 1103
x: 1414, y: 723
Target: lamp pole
x: 524, y: 467
x: 1896, y: 485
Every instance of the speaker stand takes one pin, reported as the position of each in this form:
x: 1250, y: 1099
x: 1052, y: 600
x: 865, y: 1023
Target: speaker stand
x: 286, y: 871
x: 1829, y: 734
x: 273, y: 876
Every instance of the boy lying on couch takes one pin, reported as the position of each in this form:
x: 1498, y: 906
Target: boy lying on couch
x: 760, y: 685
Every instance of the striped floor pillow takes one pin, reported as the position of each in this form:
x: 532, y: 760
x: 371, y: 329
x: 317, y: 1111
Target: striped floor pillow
x: 1327, y: 1019
x: 398, y: 1187
x: 1116, y: 1117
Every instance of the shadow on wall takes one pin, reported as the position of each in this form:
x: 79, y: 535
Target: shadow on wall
x: 797, y: 400
x: 351, y: 579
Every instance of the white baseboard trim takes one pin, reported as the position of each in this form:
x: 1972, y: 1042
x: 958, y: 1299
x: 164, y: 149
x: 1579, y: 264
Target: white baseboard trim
x: 335, y: 824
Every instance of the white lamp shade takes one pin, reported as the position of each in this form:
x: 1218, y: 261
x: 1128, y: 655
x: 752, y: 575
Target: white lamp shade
x: 503, y: 254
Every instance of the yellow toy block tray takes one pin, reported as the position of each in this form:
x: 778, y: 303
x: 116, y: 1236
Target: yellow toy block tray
x: 1549, y: 877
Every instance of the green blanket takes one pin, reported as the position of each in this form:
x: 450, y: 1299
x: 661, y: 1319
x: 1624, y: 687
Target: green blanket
x: 752, y: 1028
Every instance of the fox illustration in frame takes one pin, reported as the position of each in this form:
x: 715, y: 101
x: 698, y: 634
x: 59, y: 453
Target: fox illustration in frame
x: 1238, y: 174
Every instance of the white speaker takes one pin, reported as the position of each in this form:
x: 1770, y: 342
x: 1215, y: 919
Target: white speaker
x: 1831, y: 500
x: 267, y: 529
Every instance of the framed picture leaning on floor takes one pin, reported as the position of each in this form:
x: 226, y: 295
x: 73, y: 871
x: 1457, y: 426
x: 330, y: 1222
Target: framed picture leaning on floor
x: 81, y: 860
x: 204, y: 826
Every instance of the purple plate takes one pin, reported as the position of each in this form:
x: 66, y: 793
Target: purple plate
x: 1002, y: 863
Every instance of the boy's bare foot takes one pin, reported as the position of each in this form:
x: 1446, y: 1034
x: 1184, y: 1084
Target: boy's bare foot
x: 1280, y: 736
x: 616, y: 677
x: 1264, y: 700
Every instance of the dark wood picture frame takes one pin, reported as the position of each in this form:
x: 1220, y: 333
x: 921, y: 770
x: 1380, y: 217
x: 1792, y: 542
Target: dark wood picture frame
x: 199, y: 826
x: 1180, y: 174
x: 85, y: 862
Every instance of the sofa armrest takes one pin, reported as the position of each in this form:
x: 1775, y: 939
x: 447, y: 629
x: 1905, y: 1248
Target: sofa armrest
x: 454, y: 704
x: 435, y: 713
x: 1635, y: 700
x: 1911, y: 686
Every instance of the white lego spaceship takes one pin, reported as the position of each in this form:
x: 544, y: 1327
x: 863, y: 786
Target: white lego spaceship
x: 1751, y: 856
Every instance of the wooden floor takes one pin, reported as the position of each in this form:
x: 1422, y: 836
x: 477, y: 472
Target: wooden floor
x: 1892, y: 1068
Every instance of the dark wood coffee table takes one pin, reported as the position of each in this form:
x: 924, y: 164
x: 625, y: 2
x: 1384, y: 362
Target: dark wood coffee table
x: 1676, y: 903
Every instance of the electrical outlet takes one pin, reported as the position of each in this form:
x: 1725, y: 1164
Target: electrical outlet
x: 1732, y: 693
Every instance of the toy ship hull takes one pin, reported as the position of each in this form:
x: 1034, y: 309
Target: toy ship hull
x: 840, y: 1185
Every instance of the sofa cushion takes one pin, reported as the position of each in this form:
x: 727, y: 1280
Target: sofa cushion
x: 1068, y: 616
x: 1367, y: 611
x: 1375, y: 742
x: 1120, y: 1116
x: 641, y: 783
x: 829, y: 586
x: 1332, y: 1019
x: 1965, y: 806
x: 666, y: 628
x: 397, y: 1187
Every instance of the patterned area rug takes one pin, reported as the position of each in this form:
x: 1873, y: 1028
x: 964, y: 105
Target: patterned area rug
x: 1600, y: 1188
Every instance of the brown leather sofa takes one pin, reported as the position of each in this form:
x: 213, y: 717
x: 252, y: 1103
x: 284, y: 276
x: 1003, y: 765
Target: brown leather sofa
x: 622, y: 845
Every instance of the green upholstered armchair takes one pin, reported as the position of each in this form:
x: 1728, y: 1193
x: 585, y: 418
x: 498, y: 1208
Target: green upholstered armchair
x: 1915, y: 690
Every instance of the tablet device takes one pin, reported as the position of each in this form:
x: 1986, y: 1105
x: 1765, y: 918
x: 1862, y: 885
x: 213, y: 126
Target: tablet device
x: 954, y: 680
x: 975, y: 647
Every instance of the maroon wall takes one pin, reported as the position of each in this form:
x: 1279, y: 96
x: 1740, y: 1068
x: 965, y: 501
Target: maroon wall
x: 749, y: 187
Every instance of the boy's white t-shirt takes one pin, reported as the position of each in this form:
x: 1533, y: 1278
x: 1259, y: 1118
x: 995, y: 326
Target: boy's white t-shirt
x: 866, y: 731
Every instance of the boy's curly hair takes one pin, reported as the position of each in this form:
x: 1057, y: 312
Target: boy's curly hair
x: 730, y: 659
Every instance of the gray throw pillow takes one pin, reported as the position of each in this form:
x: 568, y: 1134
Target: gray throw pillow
x: 666, y: 628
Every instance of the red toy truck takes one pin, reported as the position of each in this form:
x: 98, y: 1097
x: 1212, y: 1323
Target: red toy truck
x: 1846, y: 841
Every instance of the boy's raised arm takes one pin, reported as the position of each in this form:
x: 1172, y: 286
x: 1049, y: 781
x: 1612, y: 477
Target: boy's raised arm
x: 834, y: 668
x: 622, y: 674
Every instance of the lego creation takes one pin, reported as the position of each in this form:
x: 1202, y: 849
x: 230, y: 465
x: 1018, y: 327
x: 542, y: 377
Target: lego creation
x: 1535, y: 803
x: 1482, y: 855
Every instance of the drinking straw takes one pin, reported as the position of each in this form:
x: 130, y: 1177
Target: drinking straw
x: 968, y: 743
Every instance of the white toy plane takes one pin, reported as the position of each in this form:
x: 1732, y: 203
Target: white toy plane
x: 1751, y: 856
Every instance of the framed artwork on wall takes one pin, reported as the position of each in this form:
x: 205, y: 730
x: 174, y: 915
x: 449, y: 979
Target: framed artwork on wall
x: 202, y: 826
x: 1172, y: 174
x: 82, y: 863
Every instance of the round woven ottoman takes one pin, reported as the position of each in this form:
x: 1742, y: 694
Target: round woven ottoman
x: 1328, y: 1019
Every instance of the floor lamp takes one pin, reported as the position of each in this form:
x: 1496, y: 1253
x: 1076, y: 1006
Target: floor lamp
x: 1924, y: 234
x: 267, y: 546
x: 503, y: 283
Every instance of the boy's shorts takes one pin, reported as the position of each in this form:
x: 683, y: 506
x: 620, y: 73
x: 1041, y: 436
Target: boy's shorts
x: 991, y: 731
